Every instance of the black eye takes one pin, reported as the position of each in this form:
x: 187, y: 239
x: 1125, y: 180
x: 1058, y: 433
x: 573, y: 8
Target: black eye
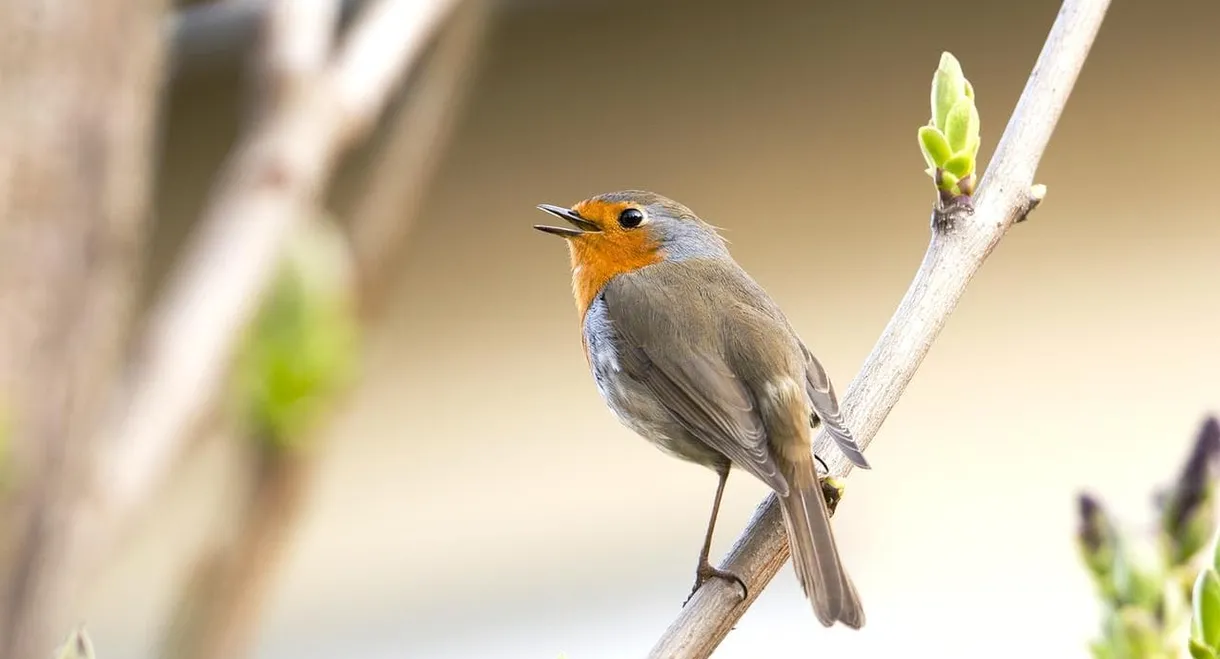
x: 630, y: 218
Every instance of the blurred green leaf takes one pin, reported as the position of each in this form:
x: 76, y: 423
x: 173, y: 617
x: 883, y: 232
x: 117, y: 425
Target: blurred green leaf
x: 1136, y: 583
x: 1216, y: 552
x: 1150, y: 598
x: 1206, y: 604
x: 1200, y: 651
x: 1192, y: 532
x: 1134, y: 634
x: 934, y: 146
x: 303, y: 345
x: 1176, y: 594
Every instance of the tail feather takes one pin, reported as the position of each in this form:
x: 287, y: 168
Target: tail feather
x: 814, y: 553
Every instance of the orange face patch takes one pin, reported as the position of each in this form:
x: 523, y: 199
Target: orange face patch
x: 598, y: 257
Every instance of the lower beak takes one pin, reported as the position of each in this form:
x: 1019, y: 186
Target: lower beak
x: 582, y: 225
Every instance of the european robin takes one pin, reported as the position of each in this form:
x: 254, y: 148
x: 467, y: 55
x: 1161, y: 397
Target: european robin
x: 691, y: 353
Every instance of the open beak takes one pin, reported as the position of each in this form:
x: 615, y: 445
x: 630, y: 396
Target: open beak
x: 582, y: 225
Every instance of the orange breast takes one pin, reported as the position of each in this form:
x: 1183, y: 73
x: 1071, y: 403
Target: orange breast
x: 599, y: 257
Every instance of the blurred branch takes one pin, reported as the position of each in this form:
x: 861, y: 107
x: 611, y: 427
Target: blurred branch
x: 218, y: 34
x: 269, y: 185
x: 296, y: 48
x: 77, y: 646
x: 220, y: 607
x: 81, y: 82
x: 961, y: 240
x: 388, y: 205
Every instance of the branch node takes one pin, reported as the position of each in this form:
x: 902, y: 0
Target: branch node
x: 949, y: 214
x: 1034, y: 197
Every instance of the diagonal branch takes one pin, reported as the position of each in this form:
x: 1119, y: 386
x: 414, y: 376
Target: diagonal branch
x: 210, y: 36
x: 388, y: 203
x: 266, y: 188
x: 220, y: 609
x: 960, y: 242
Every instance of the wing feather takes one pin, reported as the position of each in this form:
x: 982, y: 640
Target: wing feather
x: 826, y: 407
x: 682, y: 366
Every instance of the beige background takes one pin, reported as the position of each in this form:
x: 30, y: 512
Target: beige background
x: 479, y: 501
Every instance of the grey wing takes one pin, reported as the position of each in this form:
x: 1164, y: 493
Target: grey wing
x: 826, y: 406
x: 693, y: 382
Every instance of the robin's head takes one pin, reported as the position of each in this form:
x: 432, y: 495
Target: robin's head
x: 620, y: 232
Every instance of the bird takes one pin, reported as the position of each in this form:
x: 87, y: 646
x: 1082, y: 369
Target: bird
x: 688, y: 351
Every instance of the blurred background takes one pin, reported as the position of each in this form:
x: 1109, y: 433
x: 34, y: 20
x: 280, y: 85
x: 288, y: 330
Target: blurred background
x: 473, y: 498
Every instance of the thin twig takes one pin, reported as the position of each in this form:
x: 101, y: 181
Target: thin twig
x: 956, y: 253
x: 221, y: 606
x: 212, y: 36
x: 299, y: 36
x: 296, y: 50
x: 371, y: 59
x: 217, y: 286
x: 266, y: 188
x: 219, y: 614
x: 389, y: 201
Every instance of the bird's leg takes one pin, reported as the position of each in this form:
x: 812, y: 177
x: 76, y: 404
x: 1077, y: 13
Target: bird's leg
x: 832, y: 492
x: 705, y: 570
x: 832, y: 488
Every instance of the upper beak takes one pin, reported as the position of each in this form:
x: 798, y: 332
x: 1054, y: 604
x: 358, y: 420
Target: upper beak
x: 582, y: 225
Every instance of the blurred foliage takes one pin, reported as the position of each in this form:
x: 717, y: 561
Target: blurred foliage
x: 302, y: 348
x: 1182, y: 515
x: 950, y: 141
x: 78, y: 646
x: 1205, y: 609
x: 1146, y: 587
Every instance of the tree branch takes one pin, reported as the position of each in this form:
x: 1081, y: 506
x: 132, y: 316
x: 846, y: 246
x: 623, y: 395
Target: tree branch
x: 76, y: 122
x: 219, y: 34
x: 220, y: 609
x: 957, y: 250
x: 389, y: 200
x: 221, y: 605
x: 268, y: 186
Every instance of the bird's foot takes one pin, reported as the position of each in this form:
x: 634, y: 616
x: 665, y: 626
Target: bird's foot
x: 832, y: 491
x: 706, y: 571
